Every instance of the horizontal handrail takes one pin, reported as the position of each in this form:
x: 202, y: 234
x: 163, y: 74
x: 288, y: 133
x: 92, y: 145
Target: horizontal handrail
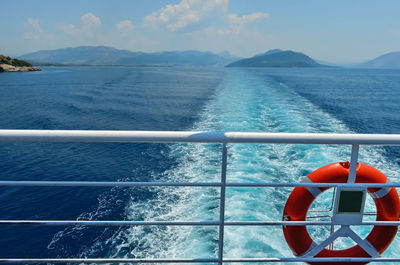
x: 186, y: 223
x: 18, y: 183
x: 107, y: 184
x: 198, y: 260
x: 198, y: 137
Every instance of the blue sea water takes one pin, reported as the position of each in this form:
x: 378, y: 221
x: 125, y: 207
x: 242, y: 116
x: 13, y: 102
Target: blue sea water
x: 331, y: 100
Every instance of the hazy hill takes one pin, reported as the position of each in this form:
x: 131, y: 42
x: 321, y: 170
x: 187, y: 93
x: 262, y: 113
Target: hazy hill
x: 388, y: 60
x: 277, y: 58
x: 101, y: 55
x: 269, y: 52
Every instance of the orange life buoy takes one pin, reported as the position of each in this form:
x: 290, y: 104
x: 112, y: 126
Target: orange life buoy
x: 386, y: 200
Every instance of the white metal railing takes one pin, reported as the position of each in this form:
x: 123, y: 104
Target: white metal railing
x: 198, y: 137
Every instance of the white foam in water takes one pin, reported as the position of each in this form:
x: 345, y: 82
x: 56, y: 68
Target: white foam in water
x: 243, y: 102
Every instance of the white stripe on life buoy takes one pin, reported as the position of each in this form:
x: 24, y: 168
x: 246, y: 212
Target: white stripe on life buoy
x: 380, y: 193
x: 315, y: 191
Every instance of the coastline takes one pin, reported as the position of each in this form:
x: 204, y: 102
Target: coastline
x: 6, y: 68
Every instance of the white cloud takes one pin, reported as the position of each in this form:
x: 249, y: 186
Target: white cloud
x: 90, y: 27
x: 35, y: 30
x: 186, y: 13
x: 236, y: 20
x: 35, y: 24
x: 191, y: 12
x: 125, y: 25
x: 238, y: 24
x: 31, y: 36
x: 190, y: 24
x: 207, y: 25
x: 68, y: 29
x: 90, y: 23
x: 89, y: 19
x: 239, y: 42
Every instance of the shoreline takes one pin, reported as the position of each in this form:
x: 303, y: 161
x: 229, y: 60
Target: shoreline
x: 7, y: 68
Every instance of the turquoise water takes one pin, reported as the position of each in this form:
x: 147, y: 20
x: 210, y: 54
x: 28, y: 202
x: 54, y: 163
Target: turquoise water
x: 260, y: 100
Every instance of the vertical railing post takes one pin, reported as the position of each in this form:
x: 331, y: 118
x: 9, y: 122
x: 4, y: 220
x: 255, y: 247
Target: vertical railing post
x: 222, y: 205
x: 353, y: 163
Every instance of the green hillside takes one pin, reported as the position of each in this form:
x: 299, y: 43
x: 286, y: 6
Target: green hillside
x: 13, y: 62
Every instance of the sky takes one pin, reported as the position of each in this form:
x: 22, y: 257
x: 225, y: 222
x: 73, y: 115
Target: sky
x: 333, y: 31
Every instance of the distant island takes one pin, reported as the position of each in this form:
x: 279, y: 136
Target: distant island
x: 8, y: 64
x: 277, y: 58
x: 108, y: 56
x: 388, y: 61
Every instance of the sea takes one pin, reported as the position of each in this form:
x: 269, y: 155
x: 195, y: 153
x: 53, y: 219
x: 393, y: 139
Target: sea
x: 306, y: 100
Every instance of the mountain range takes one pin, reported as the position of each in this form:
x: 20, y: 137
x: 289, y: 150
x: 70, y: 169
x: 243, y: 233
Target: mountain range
x: 102, y: 55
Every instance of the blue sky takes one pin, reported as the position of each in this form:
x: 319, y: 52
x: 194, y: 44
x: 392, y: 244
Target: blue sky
x: 336, y: 31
